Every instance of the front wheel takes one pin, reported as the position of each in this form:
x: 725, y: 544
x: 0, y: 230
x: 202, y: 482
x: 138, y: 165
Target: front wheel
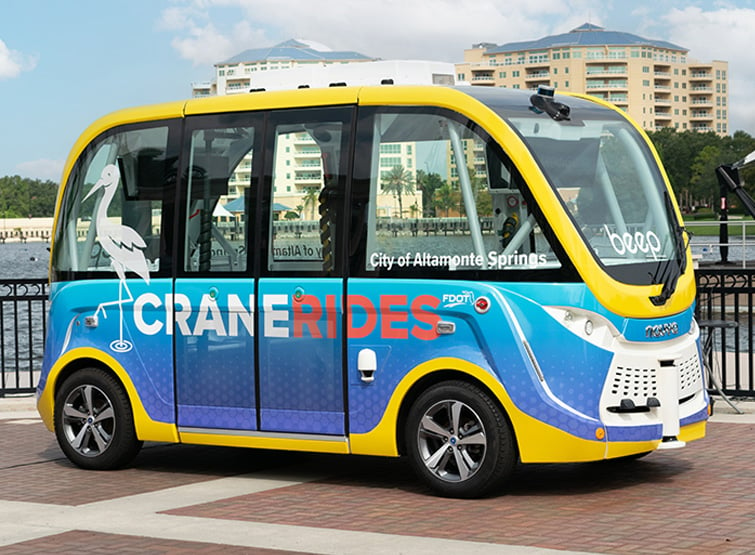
x: 93, y: 421
x: 459, y: 441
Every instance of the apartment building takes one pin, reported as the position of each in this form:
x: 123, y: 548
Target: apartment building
x: 248, y: 69
x: 654, y: 81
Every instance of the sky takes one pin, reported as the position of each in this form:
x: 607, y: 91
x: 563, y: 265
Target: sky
x: 65, y: 64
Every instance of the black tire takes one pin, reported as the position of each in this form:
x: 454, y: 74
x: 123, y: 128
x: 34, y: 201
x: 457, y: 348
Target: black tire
x: 94, y: 424
x: 459, y: 441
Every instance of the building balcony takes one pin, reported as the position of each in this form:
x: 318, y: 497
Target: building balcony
x: 602, y: 71
x: 701, y: 88
x: 303, y: 178
x: 537, y: 75
x: 593, y: 86
x: 483, y: 80
x: 701, y: 115
x: 483, y: 67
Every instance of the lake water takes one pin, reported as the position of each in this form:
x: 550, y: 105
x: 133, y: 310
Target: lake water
x: 24, y: 260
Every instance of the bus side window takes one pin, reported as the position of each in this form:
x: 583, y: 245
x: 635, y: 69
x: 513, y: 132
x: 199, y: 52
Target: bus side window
x: 308, y: 180
x: 443, y: 198
x: 219, y: 196
x: 120, y: 193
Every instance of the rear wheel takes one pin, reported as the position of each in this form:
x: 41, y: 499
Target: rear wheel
x: 459, y: 441
x: 93, y: 421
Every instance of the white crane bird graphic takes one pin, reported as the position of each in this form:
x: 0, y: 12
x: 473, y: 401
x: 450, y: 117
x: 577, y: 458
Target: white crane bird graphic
x: 122, y: 244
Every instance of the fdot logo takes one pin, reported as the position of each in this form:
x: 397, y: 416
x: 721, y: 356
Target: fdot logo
x: 458, y: 299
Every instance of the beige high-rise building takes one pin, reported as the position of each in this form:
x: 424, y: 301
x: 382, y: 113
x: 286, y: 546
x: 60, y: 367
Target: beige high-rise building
x: 653, y: 81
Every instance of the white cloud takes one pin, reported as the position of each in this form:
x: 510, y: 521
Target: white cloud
x: 425, y: 29
x: 43, y: 169
x: 199, y: 40
x: 12, y: 63
x: 722, y: 34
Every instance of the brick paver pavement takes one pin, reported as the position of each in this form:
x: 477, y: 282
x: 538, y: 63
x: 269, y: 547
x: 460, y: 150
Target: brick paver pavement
x: 93, y: 542
x: 696, y: 500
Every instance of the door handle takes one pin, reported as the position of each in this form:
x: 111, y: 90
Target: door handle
x: 367, y: 364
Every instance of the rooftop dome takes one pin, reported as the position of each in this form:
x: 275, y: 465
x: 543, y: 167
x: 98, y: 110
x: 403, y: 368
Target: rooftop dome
x: 587, y: 34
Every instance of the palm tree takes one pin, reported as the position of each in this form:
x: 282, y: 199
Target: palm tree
x: 310, y: 198
x: 398, y: 181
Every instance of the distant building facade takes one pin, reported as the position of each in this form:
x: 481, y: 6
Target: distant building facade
x: 652, y: 80
x: 297, y: 63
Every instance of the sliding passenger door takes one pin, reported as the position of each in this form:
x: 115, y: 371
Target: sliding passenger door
x: 300, y: 291
x: 213, y: 301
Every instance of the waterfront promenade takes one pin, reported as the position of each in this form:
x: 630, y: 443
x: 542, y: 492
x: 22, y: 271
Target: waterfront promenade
x: 187, y: 499
x: 21, y: 230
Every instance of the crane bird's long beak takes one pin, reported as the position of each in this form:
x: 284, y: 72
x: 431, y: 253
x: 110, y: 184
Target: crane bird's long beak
x: 99, y: 185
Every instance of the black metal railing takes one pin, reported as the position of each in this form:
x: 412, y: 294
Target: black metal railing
x: 726, y: 294
x: 23, y: 319
x: 722, y: 294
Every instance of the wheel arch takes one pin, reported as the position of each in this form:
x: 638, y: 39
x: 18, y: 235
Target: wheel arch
x: 428, y: 381
x: 146, y: 428
x: 386, y: 438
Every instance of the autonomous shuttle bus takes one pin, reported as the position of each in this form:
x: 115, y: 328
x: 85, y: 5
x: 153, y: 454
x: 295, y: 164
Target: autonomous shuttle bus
x: 470, y: 277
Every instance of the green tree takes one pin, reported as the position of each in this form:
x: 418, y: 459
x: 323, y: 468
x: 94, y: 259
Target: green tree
x: 445, y: 198
x: 398, y: 181
x: 428, y: 183
x: 23, y: 197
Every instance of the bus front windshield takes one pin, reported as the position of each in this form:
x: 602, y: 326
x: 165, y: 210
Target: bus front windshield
x: 607, y: 179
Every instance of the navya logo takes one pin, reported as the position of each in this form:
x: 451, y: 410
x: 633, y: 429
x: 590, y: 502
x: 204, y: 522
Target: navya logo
x: 662, y: 330
x: 450, y: 300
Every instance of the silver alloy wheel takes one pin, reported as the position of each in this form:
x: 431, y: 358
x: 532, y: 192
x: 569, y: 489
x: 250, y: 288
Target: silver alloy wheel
x: 88, y: 420
x: 452, y: 441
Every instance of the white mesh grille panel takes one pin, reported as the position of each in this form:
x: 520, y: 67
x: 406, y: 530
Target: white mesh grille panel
x: 634, y: 383
x: 690, y: 376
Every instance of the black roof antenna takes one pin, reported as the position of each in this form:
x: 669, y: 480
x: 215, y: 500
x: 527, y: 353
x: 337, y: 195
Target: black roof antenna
x: 543, y: 101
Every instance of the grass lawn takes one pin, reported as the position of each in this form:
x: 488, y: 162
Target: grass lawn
x: 711, y: 227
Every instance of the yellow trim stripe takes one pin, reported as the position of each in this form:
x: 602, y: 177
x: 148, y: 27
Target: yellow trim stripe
x: 263, y: 442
